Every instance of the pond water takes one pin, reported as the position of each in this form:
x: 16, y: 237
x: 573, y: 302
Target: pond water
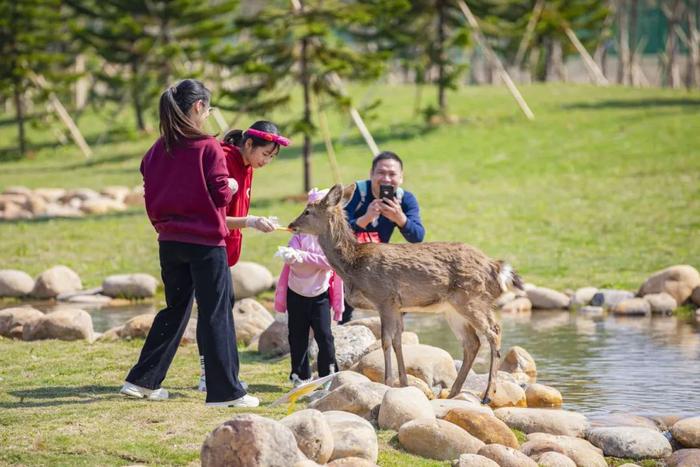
x: 646, y: 366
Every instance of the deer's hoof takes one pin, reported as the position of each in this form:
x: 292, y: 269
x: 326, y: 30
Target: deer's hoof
x: 486, y: 400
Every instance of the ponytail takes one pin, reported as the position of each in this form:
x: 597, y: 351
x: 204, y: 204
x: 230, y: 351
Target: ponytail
x: 174, y: 107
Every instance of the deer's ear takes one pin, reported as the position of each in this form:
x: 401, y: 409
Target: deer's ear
x: 348, y: 191
x: 334, y: 195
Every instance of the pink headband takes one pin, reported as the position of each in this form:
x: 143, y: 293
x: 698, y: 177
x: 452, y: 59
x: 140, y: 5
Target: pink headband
x: 281, y: 140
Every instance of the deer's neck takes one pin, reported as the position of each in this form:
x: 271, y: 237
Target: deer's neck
x: 339, y: 245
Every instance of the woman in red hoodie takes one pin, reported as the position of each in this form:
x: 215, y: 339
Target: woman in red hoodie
x: 187, y: 191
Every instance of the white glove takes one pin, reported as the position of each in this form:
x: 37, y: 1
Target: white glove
x: 262, y: 224
x: 233, y: 185
x: 289, y: 255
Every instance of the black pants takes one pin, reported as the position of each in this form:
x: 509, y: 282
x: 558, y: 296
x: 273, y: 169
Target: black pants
x: 201, y: 271
x: 315, y: 313
x: 347, y: 314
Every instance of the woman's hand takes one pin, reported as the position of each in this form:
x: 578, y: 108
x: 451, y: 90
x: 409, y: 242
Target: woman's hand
x: 391, y: 209
x: 263, y: 224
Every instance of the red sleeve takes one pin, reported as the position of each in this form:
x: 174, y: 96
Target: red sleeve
x: 216, y: 175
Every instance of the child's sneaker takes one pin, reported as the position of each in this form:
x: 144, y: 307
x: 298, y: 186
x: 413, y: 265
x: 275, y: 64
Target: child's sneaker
x: 296, y: 381
x: 132, y: 390
x: 245, y: 401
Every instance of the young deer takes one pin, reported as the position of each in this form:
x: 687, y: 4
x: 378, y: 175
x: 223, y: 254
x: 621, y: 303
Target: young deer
x: 419, y: 277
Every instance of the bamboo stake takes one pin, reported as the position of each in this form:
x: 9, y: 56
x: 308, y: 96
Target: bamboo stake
x: 65, y: 117
x: 325, y: 132
x: 491, y: 56
x: 529, y: 31
x: 220, y: 120
x: 597, y: 75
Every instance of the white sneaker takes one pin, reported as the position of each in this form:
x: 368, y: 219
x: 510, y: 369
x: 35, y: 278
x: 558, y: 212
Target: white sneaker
x: 296, y: 381
x: 245, y: 401
x: 131, y: 390
x: 202, y: 386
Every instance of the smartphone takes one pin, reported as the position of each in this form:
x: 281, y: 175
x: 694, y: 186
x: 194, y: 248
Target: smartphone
x: 386, y: 191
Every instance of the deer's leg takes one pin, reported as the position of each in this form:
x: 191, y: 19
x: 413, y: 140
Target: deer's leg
x: 389, y: 325
x: 403, y: 378
x: 470, y: 346
x: 493, y: 335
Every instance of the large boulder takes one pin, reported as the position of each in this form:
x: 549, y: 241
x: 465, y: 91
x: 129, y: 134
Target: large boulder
x: 539, y: 395
x: 583, y: 296
x: 313, y: 434
x: 505, y: 456
x: 630, y: 442
x: 361, y: 399
x: 553, y: 459
x: 632, y: 307
x: 55, y: 281
x: 13, y: 320
x: 608, y: 298
x: 677, y: 281
x: 15, y: 283
x: 661, y: 303
x: 508, y: 392
x: 250, y: 440
x: 373, y: 323
x: 552, y: 421
x: 118, y: 193
x: 250, y: 279
x: 351, y: 462
x: 407, y: 338
x: 250, y: 319
x: 485, y: 427
x: 137, y: 285
x: 474, y: 460
x: 401, y: 405
x: 431, y: 364
x: 624, y: 419
x: 274, y: 341
x: 351, y: 343
x: 684, y: 458
x: 66, y: 324
x: 347, y: 377
x: 687, y: 432
x: 582, y: 452
x: 518, y: 360
x: 441, y: 407
x: 518, y: 305
x: 137, y: 327
x: 101, y: 205
x: 353, y: 436
x: 547, y: 299
x: 437, y: 439
x: 695, y: 297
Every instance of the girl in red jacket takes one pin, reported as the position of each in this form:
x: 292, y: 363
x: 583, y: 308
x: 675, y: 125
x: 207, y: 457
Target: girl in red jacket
x: 186, y: 193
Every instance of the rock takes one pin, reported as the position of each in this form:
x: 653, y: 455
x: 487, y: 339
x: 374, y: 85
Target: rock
x: 508, y: 392
x: 608, y: 298
x: 59, y: 210
x: 630, y: 442
x: 135, y: 197
x: 665, y: 422
x: 87, y: 299
x: 592, y: 311
x: 474, y: 460
x: 362, y: 399
x: 66, y: 324
x: 417, y: 383
x: 347, y: 377
x: 56, y: 280
x: 583, y: 296
x: 118, y: 193
x: 583, y: 453
x: 15, y: 283
x: 539, y: 395
x: 687, y: 432
x: 695, y: 296
x: 485, y: 427
x: 518, y: 360
x: 684, y: 458
x: 274, y: 341
x: 504, y: 298
x: 351, y: 462
x: 130, y: 286
x: 442, y: 406
x: 250, y: 319
x: 407, y: 338
x: 552, y: 421
x: 50, y: 195
x: 248, y: 440
x: 136, y: 327
x: 431, y: 364
x: 13, y: 320
x: 661, y: 303
x: 677, y: 281
x: 351, y: 343
x: 373, y: 323
x: 353, y: 436
x: 623, y: 419
x: 190, y: 334
x: 401, y: 405
x: 313, y: 434
x: 82, y: 194
x: 101, y: 205
x: 519, y: 305
x: 632, y: 307
x: 250, y: 279
x: 547, y: 299
x: 505, y: 456
x: 553, y: 459
x: 437, y: 439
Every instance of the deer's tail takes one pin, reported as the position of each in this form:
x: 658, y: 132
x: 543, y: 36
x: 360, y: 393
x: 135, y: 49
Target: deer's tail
x: 506, y: 276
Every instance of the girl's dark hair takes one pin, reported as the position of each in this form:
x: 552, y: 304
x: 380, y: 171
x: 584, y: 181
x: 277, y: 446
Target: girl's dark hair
x: 386, y: 155
x: 239, y: 137
x: 175, y: 104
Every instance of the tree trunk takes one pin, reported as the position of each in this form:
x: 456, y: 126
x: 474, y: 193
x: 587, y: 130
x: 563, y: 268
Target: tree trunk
x: 624, y: 74
x: 549, y: 56
x: 441, y: 57
x: 19, y: 111
x: 633, y: 13
x: 671, y: 73
x: 694, y: 48
x: 81, y: 85
x: 306, y: 154
x: 136, y: 96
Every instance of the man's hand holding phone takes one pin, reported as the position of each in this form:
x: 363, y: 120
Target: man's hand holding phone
x: 391, y: 209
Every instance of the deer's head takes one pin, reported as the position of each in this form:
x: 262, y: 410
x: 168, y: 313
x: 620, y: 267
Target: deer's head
x: 317, y: 216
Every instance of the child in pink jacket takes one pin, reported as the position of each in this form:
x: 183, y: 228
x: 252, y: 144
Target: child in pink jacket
x: 307, y: 290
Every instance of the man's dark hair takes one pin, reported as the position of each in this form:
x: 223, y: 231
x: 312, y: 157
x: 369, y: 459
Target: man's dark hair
x: 386, y: 155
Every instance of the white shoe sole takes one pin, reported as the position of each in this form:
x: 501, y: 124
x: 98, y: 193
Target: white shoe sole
x: 238, y: 403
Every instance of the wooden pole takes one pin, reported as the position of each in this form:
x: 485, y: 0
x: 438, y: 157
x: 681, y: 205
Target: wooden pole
x: 220, y: 120
x: 597, y: 75
x: 529, y: 31
x: 491, y: 56
x: 65, y: 117
x: 327, y: 140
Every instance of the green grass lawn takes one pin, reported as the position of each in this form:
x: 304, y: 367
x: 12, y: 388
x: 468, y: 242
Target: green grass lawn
x: 602, y: 189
